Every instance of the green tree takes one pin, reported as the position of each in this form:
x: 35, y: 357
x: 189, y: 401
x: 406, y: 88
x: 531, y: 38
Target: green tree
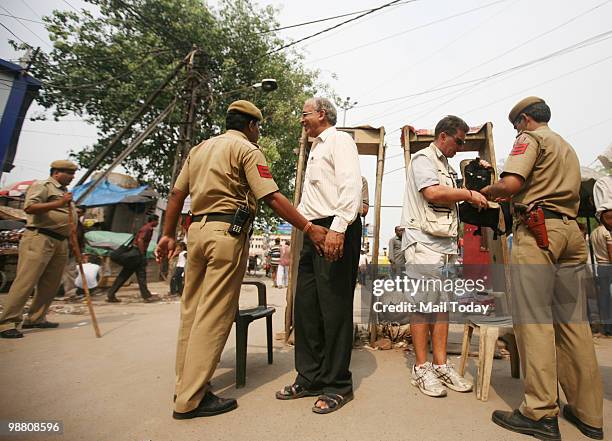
x: 104, y: 65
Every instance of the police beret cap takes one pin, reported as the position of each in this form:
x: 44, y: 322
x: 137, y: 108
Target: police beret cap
x: 246, y: 107
x: 63, y: 164
x: 522, y: 105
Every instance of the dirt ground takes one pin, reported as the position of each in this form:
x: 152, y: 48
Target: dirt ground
x: 120, y: 387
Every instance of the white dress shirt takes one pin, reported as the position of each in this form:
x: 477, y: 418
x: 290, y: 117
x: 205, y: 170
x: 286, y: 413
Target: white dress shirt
x: 332, y: 184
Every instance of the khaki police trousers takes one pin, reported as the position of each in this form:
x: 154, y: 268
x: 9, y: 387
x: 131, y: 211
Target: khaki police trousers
x: 216, y: 263
x: 550, y: 323
x: 40, y: 266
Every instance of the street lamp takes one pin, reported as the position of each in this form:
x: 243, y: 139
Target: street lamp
x: 267, y: 85
x: 346, y: 105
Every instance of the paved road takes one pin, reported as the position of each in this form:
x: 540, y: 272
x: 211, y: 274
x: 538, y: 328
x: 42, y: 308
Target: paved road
x: 120, y: 387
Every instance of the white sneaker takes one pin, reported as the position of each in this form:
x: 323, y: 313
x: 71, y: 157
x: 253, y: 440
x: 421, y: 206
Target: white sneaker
x: 450, y: 378
x: 426, y: 380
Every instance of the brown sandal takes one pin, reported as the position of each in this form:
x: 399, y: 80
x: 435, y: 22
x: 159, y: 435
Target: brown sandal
x: 333, y: 401
x: 295, y: 391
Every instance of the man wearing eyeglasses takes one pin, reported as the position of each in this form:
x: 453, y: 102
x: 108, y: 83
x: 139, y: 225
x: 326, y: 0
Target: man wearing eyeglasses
x: 553, y: 335
x: 325, y: 285
x: 430, y: 220
x: 225, y: 176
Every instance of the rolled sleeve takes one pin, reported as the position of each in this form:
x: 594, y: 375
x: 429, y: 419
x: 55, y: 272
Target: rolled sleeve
x: 365, y: 196
x: 258, y: 174
x: 522, y: 157
x: 36, y: 194
x: 424, y: 171
x: 348, y: 182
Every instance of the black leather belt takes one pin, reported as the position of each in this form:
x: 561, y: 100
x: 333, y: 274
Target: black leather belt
x: 49, y: 233
x: 549, y: 214
x: 214, y: 217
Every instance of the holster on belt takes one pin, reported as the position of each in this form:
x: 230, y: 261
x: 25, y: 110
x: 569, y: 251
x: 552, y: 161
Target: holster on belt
x: 534, y: 220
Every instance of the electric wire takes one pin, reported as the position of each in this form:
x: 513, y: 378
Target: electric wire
x: 346, y: 51
x: 46, y: 43
x: 293, y: 43
x: 326, y: 19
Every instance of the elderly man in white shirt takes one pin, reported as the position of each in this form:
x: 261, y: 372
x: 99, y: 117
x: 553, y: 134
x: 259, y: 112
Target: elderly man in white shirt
x: 325, y: 286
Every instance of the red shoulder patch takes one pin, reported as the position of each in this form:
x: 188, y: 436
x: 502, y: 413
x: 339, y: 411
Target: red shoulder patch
x: 264, y: 171
x: 519, y: 149
x: 520, y: 146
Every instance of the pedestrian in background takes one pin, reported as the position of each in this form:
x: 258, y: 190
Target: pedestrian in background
x: 274, y: 255
x: 601, y: 238
x: 178, y: 277
x: 91, y: 269
x: 282, y: 278
x: 138, y: 265
x: 397, y: 260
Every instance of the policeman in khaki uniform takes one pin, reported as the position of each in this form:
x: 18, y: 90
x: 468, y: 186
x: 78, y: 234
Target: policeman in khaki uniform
x: 221, y: 175
x: 542, y: 176
x: 43, y: 251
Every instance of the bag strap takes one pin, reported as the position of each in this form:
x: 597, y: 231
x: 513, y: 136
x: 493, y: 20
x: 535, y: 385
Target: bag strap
x: 130, y: 241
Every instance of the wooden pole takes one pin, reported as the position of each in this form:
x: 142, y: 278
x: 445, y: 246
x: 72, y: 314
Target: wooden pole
x: 296, y: 237
x: 77, y: 256
x: 186, y: 142
x: 380, y: 171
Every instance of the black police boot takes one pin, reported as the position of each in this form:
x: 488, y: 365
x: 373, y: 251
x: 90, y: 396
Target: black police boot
x: 590, y: 431
x: 209, y: 406
x: 11, y: 333
x: 41, y: 325
x: 546, y: 428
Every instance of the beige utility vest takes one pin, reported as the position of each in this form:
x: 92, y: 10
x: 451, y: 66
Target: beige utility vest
x: 437, y: 220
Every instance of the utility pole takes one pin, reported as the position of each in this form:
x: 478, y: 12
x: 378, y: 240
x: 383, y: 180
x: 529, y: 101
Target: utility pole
x: 145, y: 107
x: 140, y: 138
x: 346, y: 105
x: 187, y: 127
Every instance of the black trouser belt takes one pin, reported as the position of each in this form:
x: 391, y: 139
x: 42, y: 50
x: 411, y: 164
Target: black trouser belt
x: 49, y: 233
x: 214, y: 217
x: 549, y: 214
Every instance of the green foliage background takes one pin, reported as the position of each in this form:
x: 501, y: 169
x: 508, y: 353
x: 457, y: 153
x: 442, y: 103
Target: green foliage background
x: 103, y: 66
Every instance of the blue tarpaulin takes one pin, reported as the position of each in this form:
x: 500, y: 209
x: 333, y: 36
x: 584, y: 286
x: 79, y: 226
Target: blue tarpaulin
x: 107, y: 193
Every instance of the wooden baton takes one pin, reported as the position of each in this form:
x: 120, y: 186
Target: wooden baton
x: 77, y: 255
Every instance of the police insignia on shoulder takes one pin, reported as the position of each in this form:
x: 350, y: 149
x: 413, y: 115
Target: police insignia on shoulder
x: 264, y: 171
x: 520, y: 146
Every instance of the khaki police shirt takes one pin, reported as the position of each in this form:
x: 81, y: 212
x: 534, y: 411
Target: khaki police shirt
x: 599, y: 238
x: 222, y: 172
x: 550, y: 168
x: 55, y: 220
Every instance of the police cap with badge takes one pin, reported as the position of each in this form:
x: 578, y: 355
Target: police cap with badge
x: 64, y: 165
x: 521, y: 106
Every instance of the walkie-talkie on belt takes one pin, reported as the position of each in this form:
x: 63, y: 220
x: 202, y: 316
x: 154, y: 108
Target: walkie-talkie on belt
x: 241, y: 217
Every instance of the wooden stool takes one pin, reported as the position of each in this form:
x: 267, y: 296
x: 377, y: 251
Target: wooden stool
x: 490, y: 329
